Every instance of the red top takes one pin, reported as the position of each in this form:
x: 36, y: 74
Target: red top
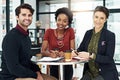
x: 63, y: 44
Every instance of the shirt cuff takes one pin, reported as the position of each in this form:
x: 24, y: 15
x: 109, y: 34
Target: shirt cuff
x: 94, y: 56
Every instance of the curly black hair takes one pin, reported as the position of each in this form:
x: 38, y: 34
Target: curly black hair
x: 66, y: 11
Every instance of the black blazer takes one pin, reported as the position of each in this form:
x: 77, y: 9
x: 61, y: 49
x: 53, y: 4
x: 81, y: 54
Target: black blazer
x: 105, y: 53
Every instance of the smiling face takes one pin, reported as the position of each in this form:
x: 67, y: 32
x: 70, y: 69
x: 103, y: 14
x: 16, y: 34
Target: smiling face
x: 62, y: 21
x: 24, y: 18
x: 99, y: 18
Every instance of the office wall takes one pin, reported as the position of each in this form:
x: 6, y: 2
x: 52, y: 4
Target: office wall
x: 15, y: 4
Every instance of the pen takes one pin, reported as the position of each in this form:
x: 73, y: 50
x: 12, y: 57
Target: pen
x: 74, y: 51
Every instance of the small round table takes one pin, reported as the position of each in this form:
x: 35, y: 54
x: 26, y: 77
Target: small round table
x: 60, y: 63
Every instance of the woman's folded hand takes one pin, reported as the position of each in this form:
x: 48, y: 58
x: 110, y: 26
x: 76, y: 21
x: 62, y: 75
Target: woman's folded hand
x: 84, y: 55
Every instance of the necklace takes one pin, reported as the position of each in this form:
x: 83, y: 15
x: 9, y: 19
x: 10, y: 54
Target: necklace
x: 60, y: 40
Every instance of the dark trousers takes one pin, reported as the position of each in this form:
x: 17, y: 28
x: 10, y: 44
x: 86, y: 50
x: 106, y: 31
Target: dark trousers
x: 68, y: 72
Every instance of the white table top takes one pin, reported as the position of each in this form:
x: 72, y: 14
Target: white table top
x: 61, y: 62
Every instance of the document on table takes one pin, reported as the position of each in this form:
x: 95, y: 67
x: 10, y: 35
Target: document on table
x: 80, y: 59
x: 77, y: 58
x: 50, y: 59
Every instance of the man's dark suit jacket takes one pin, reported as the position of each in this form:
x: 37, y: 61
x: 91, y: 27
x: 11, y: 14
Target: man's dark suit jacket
x: 105, y: 53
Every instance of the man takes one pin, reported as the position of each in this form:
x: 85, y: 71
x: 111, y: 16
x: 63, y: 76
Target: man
x: 16, y: 46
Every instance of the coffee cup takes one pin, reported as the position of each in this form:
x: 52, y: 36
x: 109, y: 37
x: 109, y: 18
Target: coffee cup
x: 68, y: 55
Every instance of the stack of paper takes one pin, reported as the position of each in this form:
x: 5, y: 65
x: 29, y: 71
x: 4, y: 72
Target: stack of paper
x: 50, y: 59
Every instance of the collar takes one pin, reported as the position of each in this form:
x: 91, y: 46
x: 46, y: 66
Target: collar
x: 26, y: 33
x: 97, y: 32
